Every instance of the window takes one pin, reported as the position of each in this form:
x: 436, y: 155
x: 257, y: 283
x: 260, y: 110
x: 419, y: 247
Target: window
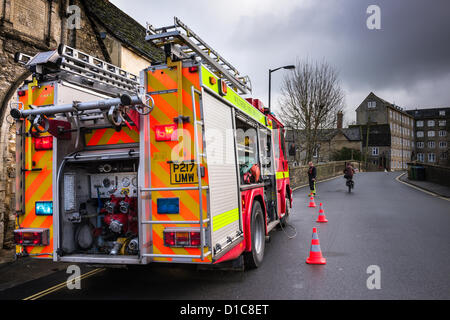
x: 442, y: 144
x: 442, y: 113
x: 431, y: 144
x: 420, y: 157
x: 419, y: 134
x: 430, y: 123
x: 442, y: 123
x: 431, y: 133
x: 371, y: 104
x: 419, y: 123
x: 375, y: 151
x: 442, y: 133
x: 431, y: 157
x: 247, y: 147
x: 444, y: 155
x: 420, y: 145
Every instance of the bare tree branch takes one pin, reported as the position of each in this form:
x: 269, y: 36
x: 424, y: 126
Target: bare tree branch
x: 311, y: 98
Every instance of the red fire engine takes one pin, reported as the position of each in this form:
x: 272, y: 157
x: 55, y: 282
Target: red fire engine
x: 171, y: 166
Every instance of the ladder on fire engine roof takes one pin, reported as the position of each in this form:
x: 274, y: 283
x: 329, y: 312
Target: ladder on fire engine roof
x: 190, y: 44
x: 81, y: 65
x: 200, y: 188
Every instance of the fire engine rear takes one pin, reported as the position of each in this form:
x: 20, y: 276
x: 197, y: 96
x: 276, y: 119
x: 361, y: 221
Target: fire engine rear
x: 171, y: 166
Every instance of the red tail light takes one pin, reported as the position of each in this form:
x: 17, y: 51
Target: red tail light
x: 43, y: 143
x: 181, y: 238
x: 21, y: 93
x: 31, y: 237
x: 195, y: 239
x: 169, y: 239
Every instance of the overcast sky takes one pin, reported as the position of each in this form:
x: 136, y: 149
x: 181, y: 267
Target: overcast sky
x: 407, y: 61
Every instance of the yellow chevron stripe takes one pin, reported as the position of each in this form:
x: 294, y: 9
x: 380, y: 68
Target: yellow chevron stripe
x: 224, y: 219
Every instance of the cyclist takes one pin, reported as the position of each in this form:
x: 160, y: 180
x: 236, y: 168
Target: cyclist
x: 348, y: 173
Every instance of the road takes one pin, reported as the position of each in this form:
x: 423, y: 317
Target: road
x: 403, y: 231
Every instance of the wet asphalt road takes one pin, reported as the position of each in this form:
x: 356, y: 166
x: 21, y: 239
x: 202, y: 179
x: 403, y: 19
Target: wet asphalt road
x: 403, y: 231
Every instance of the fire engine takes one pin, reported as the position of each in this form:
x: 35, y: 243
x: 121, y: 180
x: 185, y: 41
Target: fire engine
x: 173, y: 165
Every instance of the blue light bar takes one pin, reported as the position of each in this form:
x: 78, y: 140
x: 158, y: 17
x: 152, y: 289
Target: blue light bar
x: 44, y: 208
x: 168, y: 205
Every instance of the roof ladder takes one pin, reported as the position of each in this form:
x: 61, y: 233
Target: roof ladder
x: 79, y: 64
x: 189, y: 44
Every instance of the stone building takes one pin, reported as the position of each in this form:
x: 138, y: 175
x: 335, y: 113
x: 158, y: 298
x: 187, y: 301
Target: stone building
x: 96, y: 27
x: 432, y: 135
x: 328, y: 142
x: 399, y: 147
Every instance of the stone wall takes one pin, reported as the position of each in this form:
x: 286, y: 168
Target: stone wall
x: 434, y: 173
x: 299, y: 175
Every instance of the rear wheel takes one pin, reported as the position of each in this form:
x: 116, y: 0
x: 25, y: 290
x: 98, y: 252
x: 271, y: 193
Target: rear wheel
x: 254, y: 258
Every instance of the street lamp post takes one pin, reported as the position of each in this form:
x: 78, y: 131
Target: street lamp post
x: 289, y: 67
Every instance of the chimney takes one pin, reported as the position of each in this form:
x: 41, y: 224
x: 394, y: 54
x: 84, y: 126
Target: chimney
x: 340, y: 120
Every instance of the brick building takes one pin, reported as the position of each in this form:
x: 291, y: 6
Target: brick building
x: 96, y: 27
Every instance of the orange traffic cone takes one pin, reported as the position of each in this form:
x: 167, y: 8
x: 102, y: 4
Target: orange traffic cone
x: 321, y: 217
x: 315, y: 254
x: 312, y: 204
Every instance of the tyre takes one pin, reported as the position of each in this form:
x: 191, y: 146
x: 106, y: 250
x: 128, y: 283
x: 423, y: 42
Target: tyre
x: 254, y: 258
x: 285, y: 218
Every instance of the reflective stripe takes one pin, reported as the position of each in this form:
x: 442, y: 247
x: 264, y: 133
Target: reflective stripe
x: 315, y: 248
x: 315, y: 236
x: 225, y: 219
x: 282, y: 175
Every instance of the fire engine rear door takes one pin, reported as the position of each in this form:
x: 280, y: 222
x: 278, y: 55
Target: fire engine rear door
x: 223, y: 174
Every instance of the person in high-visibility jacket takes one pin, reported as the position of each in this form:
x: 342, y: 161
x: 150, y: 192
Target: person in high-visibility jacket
x: 312, y: 175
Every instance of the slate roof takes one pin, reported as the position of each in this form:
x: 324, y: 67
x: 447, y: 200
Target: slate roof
x: 352, y: 134
x: 432, y: 113
x: 123, y: 27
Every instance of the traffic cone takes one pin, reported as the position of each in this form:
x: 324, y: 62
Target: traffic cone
x: 321, y: 217
x: 312, y: 204
x: 315, y: 254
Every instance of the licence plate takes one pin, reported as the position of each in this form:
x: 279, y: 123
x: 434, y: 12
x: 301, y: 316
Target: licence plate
x: 183, y: 173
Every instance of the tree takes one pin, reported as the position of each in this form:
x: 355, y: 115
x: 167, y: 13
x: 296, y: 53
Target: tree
x: 311, y: 98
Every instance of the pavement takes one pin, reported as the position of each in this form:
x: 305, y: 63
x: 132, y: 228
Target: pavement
x: 382, y: 225
x: 441, y: 190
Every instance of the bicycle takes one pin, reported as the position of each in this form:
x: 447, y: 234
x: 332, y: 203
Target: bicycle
x: 350, y: 184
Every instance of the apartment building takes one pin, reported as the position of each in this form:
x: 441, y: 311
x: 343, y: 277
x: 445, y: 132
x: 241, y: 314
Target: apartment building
x: 432, y: 135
